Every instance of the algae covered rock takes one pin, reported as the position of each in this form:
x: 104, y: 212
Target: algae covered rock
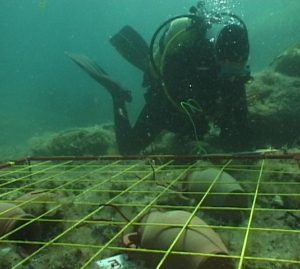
x: 288, y: 63
x: 97, y: 140
x: 274, y: 106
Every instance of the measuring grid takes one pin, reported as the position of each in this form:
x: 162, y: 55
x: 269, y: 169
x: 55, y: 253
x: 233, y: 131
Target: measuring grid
x: 74, y: 196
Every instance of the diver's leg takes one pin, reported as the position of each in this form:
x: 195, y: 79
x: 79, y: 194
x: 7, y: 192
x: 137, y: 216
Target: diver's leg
x: 147, y: 127
x: 129, y: 140
x: 122, y: 126
x: 119, y: 96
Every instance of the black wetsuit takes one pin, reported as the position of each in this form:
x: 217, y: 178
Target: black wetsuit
x: 193, y: 75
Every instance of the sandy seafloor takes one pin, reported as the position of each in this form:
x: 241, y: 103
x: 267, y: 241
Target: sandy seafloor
x: 76, y: 190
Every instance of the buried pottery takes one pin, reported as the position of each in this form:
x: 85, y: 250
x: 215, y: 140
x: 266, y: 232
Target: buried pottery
x: 217, y: 189
x: 162, y: 228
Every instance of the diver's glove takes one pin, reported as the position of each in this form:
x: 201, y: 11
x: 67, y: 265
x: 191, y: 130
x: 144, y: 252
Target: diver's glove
x: 96, y: 72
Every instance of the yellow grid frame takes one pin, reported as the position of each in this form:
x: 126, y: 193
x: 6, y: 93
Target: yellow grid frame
x: 29, y: 174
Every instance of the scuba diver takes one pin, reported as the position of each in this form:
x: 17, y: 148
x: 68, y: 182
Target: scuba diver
x: 195, y: 71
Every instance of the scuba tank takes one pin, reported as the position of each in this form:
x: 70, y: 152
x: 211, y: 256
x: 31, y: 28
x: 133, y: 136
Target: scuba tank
x: 226, y: 34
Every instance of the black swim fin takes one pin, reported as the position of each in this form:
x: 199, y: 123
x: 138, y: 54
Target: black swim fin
x: 96, y: 72
x: 132, y: 46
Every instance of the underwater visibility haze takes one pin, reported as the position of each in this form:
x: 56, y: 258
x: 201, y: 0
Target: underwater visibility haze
x: 43, y: 92
x: 69, y: 200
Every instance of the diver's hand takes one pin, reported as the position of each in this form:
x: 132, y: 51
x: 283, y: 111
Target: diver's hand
x: 98, y: 73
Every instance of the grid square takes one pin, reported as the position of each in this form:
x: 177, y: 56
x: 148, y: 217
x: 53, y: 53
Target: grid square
x: 71, y: 212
